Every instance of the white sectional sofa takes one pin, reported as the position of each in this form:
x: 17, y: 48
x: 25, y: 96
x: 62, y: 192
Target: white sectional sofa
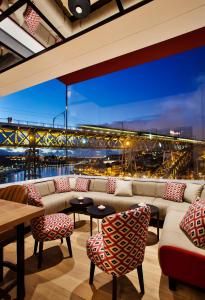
x: 150, y: 192
x: 178, y: 257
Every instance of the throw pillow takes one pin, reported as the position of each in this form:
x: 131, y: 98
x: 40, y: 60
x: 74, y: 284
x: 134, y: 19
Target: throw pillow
x: 82, y: 184
x: 111, y: 185
x: 123, y: 188
x: 62, y: 185
x: 34, y: 196
x: 174, y: 191
x: 32, y: 19
x: 192, y: 191
x: 193, y: 223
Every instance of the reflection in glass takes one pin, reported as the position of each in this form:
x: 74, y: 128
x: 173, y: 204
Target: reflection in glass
x: 7, y: 58
x: 28, y: 19
x: 4, y: 5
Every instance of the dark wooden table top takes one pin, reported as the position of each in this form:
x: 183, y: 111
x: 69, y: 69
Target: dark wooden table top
x: 97, y: 213
x: 154, y: 209
x: 78, y: 203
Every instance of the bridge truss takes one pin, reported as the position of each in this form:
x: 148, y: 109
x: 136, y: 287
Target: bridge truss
x: 88, y: 137
x: 134, y: 145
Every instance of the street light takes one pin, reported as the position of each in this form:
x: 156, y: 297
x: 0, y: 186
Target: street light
x: 64, y: 118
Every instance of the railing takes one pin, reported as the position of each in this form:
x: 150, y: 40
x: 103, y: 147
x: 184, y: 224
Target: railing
x: 31, y: 123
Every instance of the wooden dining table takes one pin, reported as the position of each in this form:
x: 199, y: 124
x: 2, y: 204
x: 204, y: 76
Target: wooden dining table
x: 14, y: 215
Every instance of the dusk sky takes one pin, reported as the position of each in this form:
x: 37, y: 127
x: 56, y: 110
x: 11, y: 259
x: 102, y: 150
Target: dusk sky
x: 162, y: 94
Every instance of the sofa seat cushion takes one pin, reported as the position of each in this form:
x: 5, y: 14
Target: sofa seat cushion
x: 56, y: 202
x: 179, y: 258
x: 120, y: 203
x: 163, y: 205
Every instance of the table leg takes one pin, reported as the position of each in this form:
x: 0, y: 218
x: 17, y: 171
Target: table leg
x: 158, y: 226
x: 20, y: 262
x: 74, y: 219
x: 91, y: 226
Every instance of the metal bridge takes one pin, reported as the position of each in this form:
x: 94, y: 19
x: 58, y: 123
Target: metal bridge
x: 88, y: 137
x: 134, y: 145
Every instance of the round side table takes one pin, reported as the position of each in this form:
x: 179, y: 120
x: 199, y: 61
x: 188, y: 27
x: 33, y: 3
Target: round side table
x: 80, y: 206
x: 154, y: 214
x: 97, y: 213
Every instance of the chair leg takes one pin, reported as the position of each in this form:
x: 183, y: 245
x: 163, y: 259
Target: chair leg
x: 1, y: 264
x: 69, y: 246
x: 172, y: 284
x: 92, y: 271
x: 40, y: 254
x: 140, y: 277
x: 114, y: 287
x: 35, y: 247
x: 62, y: 241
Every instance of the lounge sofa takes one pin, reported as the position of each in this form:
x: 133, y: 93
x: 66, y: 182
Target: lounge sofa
x: 150, y: 192
x: 178, y: 257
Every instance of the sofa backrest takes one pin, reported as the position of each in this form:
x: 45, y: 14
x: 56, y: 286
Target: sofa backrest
x: 46, y: 187
x: 98, y: 185
x: 139, y: 187
x: 148, y: 188
x: 203, y: 193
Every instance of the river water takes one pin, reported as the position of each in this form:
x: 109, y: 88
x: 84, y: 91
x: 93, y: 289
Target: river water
x: 45, y: 172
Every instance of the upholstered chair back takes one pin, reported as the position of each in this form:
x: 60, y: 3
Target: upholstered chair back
x: 124, y: 237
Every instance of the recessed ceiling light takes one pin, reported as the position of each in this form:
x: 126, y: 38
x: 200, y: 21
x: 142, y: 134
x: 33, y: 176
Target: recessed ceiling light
x: 79, y: 8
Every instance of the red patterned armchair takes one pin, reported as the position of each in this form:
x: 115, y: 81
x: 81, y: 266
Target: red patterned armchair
x: 120, y: 248
x: 49, y: 227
